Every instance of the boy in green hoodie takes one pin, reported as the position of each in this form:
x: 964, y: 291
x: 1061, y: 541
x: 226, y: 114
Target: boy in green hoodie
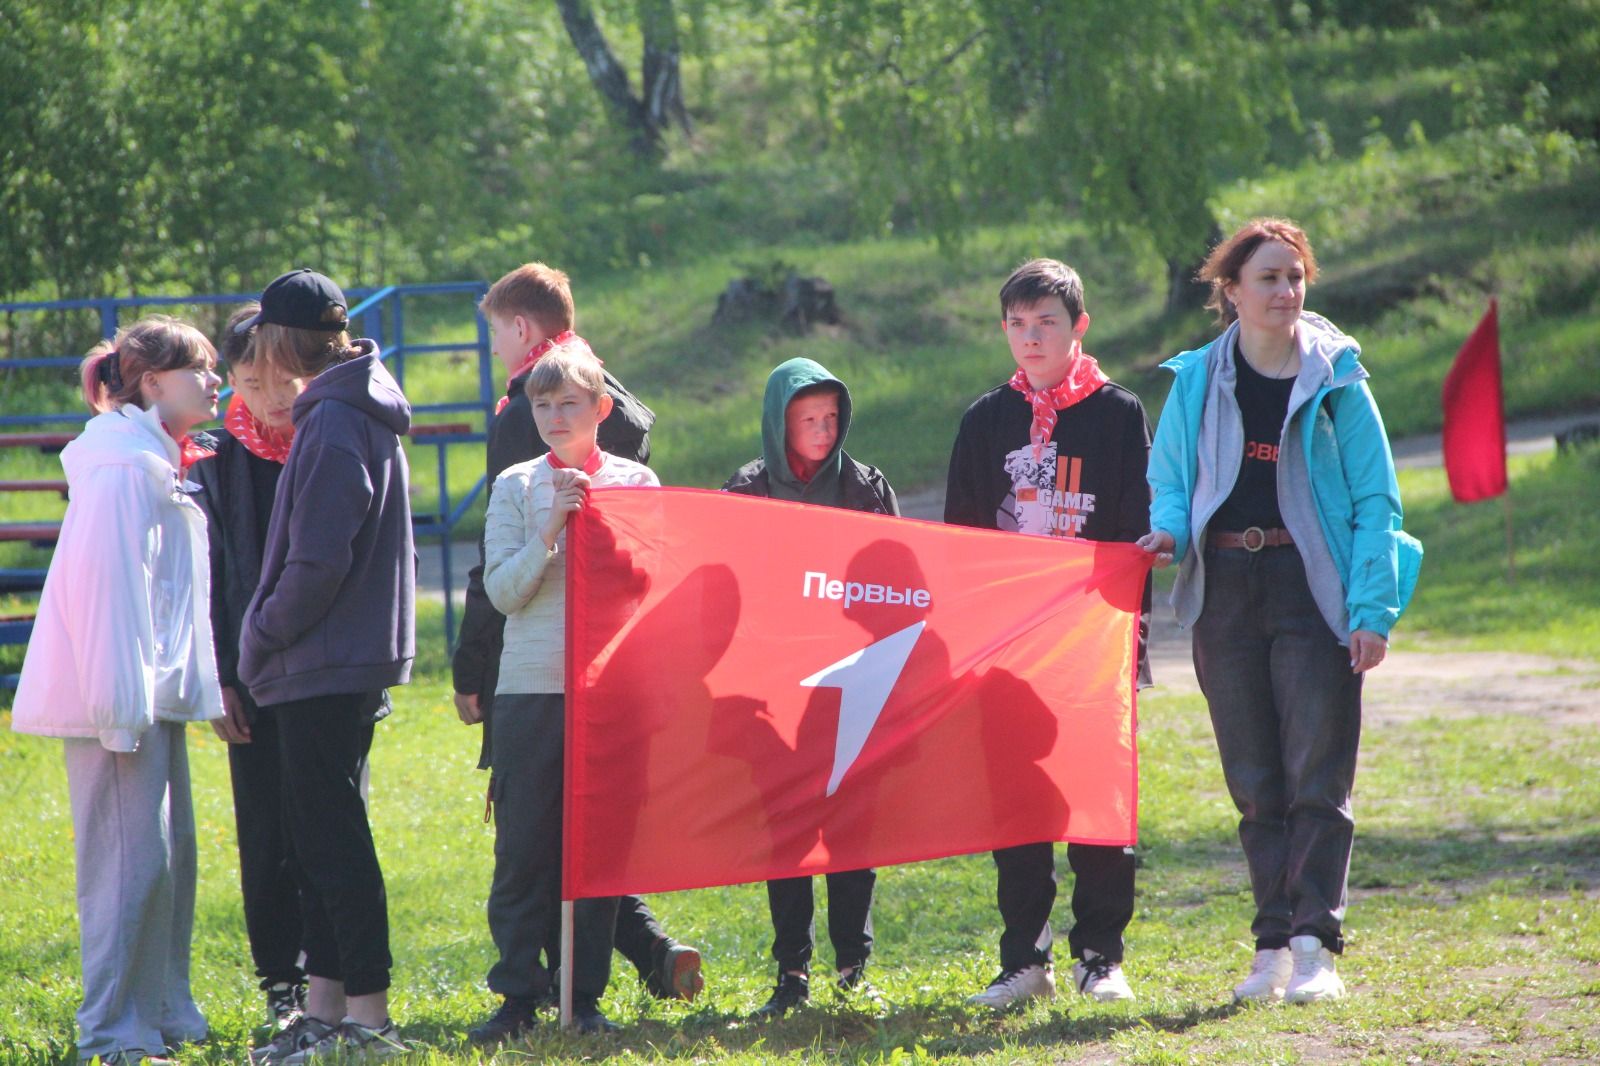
x: 804, y: 418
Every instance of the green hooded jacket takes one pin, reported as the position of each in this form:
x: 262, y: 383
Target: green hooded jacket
x: 839, y: 482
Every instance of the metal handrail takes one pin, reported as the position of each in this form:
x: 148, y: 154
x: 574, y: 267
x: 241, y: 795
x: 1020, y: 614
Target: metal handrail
x: 370, y: 312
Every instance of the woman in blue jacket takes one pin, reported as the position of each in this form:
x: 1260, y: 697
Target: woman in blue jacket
x: 1274, y: 490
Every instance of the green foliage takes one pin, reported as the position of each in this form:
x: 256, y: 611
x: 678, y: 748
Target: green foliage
x: 1131, y: 114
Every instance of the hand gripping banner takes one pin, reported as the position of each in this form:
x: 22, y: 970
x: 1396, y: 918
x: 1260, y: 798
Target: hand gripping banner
x: 759, y: 689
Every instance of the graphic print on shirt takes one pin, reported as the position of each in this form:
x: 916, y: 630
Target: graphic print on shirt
x: 1046, y: 498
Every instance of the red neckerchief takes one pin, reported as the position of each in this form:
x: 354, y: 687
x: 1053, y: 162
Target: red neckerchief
x: 1084, y: 376
x: 190, y: 451
x: 800, y: 466
x: 262, y: 440
x: 591, y: 465
x: 534, y: 356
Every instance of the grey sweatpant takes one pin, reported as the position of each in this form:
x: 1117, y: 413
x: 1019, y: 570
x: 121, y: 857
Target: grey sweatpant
x: 134, y: 827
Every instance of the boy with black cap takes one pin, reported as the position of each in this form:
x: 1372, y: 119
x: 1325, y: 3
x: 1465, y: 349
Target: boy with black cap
x: 331, y: 626
x: 805, y: 415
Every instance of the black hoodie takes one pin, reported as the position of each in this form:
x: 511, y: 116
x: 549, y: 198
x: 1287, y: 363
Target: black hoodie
x: 335, y: 613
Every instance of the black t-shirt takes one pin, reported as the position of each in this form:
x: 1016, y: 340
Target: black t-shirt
x: 1263, y: 403
x: 1088, y: 482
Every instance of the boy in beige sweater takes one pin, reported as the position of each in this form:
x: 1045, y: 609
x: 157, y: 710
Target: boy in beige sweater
x: 525, y: 577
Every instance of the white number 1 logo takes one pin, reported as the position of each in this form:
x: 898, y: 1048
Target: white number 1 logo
x: 864, y: 680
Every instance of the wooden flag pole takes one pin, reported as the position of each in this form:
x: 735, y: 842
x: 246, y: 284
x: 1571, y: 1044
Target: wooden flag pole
x: 566, y: 964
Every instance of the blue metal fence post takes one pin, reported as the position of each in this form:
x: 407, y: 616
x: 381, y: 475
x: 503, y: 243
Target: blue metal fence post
x: 486, y: 387
x: 444, y: 554
x: 108, y: 318
x: 400, y: 340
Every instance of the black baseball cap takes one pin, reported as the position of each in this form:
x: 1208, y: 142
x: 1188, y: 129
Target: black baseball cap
x: 302, y: 299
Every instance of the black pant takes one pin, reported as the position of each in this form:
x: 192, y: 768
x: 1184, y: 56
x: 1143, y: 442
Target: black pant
x: 639, y: 938
x: 849, y: 919
x: 324, y: 743
x: 266, y: 870
x: 1286, y: 708
x: 1102, y: 901
x: 525, y: 895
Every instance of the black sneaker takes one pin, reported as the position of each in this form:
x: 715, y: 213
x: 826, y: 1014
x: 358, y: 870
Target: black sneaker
x: 587, y: 1019
x: 852, y: 984
x: 677, y: 973
x: 286, y: 1001
x: 511, y: 1022
x: 792, y: 990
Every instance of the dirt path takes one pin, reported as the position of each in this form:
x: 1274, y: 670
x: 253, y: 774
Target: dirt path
x: 1426, y: 683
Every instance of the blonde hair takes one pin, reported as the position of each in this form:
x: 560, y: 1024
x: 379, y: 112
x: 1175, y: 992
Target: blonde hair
x: 111, y: 372
x: 536, y: 291
x: 301, y: 353
x: 570, y: 363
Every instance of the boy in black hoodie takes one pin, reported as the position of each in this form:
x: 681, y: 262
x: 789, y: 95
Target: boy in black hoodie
x: 804, y: 418
x: 530, y: 311
x: 1059, y: 450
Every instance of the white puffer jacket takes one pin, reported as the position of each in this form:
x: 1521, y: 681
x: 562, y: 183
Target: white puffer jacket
x: 123, y: 634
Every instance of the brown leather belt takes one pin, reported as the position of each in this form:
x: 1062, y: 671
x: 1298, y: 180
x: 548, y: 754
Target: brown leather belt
x: 1251, y: 540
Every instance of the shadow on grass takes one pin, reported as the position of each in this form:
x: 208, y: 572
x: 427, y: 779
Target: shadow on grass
x: 1514, y: 858
x: 835, y: 1032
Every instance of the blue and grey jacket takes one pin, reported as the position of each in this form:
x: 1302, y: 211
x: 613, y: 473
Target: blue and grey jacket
x: 1336, y: 482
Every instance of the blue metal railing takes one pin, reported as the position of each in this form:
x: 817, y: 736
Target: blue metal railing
x: 378, y: 314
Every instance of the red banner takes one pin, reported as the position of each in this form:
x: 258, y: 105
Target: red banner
x: 1475, y: 417
x: 759, y: 689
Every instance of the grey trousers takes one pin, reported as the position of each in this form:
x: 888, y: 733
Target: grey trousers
x: 135, y: 840
x: 1287, y: 713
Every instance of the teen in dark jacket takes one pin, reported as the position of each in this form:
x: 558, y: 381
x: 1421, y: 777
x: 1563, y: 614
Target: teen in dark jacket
x: 237, y: 487
x: 331, y: 626
x: 805, y: 416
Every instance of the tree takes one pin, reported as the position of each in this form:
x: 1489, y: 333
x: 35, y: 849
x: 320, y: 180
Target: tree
x: 1134, y: 112
x: 647, y: 117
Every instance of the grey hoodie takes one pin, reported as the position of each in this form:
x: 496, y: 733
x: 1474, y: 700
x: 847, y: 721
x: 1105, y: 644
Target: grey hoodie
x: 335, y: 611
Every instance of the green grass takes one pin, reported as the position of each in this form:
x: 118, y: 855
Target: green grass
x: 1465, y: 598
x: 1473, y: 930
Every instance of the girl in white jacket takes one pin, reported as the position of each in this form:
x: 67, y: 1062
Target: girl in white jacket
x: 121, y: 657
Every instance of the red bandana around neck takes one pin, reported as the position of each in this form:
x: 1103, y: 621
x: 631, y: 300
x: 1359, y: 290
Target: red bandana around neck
x: 591, y: 465
x: 538, y: 353
x: 262, y: 440
x: 190, y: 451
x: 1084, y: 376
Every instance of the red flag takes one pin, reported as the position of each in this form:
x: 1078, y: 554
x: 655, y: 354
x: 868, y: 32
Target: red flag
x: 761, y: 689
x: 1475, y: 416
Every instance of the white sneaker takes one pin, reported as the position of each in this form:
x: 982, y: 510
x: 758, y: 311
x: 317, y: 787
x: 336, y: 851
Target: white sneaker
x: 1016, y: 986
x: 1269, y: 976
x: 1315, y: 978
x: 1099, y: 977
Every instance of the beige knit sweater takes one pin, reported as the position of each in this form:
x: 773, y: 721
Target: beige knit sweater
x: 527, y: 582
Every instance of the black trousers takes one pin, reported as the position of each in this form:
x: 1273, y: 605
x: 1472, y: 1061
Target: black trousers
x: 1286, y: 708
x: 639, y: 938
x: 323, y: 743
x: 267, y: 875
x: 1102, y: 901
x: 849, y: 919
x: 525, y: 895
